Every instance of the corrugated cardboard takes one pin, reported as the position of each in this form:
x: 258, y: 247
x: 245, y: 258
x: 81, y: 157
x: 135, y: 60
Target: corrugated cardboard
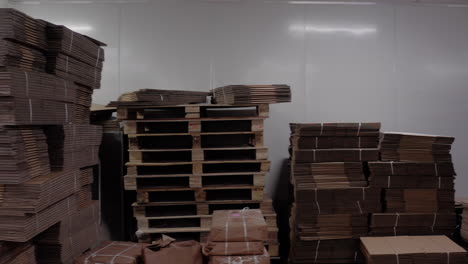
x: 112, y: 252
x: 251, y: 259
x: 168, y: 251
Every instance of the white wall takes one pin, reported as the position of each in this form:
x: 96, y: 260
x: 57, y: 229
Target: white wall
x: 405, y: 65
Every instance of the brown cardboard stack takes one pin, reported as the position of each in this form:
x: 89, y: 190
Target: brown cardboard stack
x: 252, y: 94
x: 161, y: 97
x: 332, y: 200
x: 64, y: 241
x: 412, y: 249
x: 48, y: 150
x: 17, y: 253
x: 237, y: 236
x: 417, y: 177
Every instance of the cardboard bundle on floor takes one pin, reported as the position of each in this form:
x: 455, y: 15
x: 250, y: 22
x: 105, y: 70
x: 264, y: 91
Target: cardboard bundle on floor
x: 161, y: 97
x: 388, y: 224
x: 412, y: 249
x: 73, y: 56
x: 71, y: 237
x: 331, y: 199
x: 416, y: 147
x: 24, y: 154
x: 17, y: 253
x: 252, y: 94
x: 39, y: 193
x: 325, y: 251
x: 237, y: 236
x: 332, y: 174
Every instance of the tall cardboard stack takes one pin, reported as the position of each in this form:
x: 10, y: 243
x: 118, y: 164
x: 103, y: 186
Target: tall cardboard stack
x: 417, y: 177
x: 188, y: 160
x: 331, y: 199
x: 48, y: 150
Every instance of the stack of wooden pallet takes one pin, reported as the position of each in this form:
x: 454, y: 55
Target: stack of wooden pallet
x: 417, y: 177
x: 49, y: 152
x: 188, y: 160
x: 332, y: 200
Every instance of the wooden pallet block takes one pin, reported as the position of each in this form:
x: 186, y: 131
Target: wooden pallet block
x: 195, y: 141
x: 203, y: 154
x: 132, y: 182
x: 199, y: 194
x: 196, y: 208
x: 198, y: 167
x: 180, y: 126
x: 191, y: 111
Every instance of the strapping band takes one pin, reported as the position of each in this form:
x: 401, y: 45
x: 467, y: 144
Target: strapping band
x: 321, y: 129
x: 359, y: 129
x: 313, y: 151
x: 26, y: 76
x: 359, y: 206
x: 316, y: 201
x: 391, y: 167
x: 316, y: 142
x: 30, y: 111
x: 317, y: 251
x: 434, y: 222
x: 396, y: 224
x: 71, y: 41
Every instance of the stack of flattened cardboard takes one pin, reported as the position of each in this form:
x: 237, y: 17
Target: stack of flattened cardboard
x: 237, y: 236
x: 24, y: 154
x: 48, y: 150
x: 161, y: 97
x: 74, y: 56
x: 332, y: 200
x: 412, y: 249
x: 23, y: 40
x: 17, y: 253
x: 417, y: 177
x: 65, y: 241
x: 252, y: 94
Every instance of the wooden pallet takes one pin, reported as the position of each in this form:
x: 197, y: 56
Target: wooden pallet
x: 202, y: 125
x: 198, y: 167
x: 192, y: 111
x: 132, y: 182
x: 204, y: 154
x: 162, y: 209
x: 201, y: 235
x: 199, y: 194
x: 197, y: 233
x: 200, y: 221
x: 195, y: 141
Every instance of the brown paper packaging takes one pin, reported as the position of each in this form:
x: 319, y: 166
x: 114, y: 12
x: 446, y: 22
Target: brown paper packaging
x: 167, y: 251
x: 115, y: 253
x: 252, y: 259
x: 238, y: 226
x: 233, y: 248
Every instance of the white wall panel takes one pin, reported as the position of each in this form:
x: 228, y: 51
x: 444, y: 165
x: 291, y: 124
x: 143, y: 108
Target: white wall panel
x: 405, y: 65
